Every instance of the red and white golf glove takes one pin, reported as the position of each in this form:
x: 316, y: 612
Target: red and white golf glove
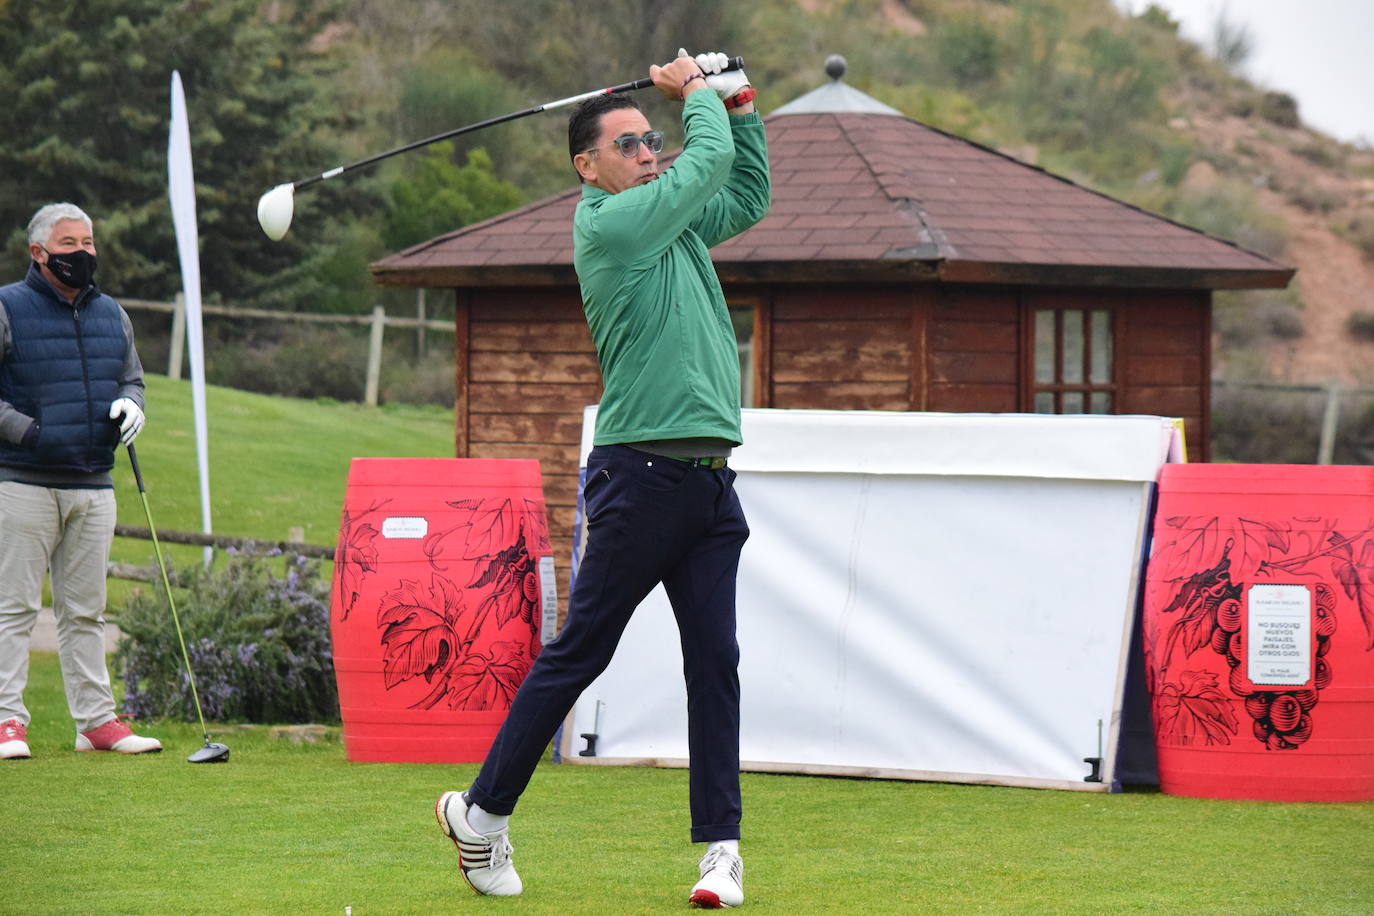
x: 713, y: 63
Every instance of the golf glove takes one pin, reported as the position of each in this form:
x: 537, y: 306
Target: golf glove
x: 132, y: 423
x: 713, y: 63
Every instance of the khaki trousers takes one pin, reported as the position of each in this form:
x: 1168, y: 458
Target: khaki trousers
x: 67, y: 532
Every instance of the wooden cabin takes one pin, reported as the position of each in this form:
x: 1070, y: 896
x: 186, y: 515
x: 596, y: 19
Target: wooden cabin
x: 899, y: 268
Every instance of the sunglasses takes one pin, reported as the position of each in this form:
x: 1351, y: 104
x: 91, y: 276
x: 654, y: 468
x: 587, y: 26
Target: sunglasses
x: 629, y: 144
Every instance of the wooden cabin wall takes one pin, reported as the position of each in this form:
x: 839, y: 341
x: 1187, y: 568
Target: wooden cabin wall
x: 1166, y: 347
x: 973, y: 349
x: 830, y: 351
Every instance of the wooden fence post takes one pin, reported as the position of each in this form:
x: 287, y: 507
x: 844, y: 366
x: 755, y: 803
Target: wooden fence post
x: 374, y: 355
x: 1330, y: 417
x: 178, y: 340
x: 420, y: 342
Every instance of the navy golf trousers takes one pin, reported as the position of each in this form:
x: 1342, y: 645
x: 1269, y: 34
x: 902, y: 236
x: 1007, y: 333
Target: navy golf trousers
x: 649, y: 519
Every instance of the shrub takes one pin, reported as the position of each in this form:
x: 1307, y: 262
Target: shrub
x: 1361, y: 233
x: 1326, y: 155
x: 1157, y: 17
x: 1174, y: 161
x: 1241, y: 104
x: 1283, y: 321
x: 1273, y: 425
x: 1247, y: 322
x: 282, y: 357
x: 1231, y: 210
x: 258, y: 642
x: 1265, y: 426
x: 1279, y: 108
x: 1314, y: 198
x: 968, y: 50
x: 407, y: 379
x: 1360, y: 325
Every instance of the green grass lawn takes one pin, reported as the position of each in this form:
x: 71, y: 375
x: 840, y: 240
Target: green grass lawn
x: 287, y: 828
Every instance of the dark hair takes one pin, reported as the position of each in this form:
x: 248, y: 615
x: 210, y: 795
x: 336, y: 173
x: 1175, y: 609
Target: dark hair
x: 584, y: 124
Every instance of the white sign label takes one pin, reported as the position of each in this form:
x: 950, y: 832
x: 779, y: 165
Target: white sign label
x: 405, y: 526
x: 1278, y: 638
x: 548, y: 601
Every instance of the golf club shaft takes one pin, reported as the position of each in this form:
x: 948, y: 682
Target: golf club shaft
x: 736, y: 63
x: 167, y: 584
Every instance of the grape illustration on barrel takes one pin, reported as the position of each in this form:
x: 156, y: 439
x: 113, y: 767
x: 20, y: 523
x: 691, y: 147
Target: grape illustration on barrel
x: 1211, y: 564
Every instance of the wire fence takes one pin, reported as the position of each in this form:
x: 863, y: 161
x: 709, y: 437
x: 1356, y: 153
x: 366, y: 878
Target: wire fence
x: 250, y: 546
x: 1269, y: 423
x: 377, y: 322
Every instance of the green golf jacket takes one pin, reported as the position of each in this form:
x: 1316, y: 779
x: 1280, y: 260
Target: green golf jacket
x: 667, y: 349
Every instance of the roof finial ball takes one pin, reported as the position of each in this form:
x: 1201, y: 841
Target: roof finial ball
x: 835, y: 67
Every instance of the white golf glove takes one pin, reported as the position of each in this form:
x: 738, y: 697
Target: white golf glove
x: 713, y: 63
x: 132, y: 423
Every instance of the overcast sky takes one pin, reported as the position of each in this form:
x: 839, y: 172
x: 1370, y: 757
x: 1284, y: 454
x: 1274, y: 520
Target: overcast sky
x: 1319, y: 51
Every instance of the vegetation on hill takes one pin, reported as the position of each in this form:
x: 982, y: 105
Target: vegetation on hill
x: 1118, y: 101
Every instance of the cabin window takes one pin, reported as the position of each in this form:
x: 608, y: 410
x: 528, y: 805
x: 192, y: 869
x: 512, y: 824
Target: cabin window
x: 1073, y: 361
x: 742, y: 316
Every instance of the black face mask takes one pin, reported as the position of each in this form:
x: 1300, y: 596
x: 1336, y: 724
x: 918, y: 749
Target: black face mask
x: 75, y: 269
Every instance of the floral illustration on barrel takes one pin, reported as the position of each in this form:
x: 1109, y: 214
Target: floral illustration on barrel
x: 1209, y: 564
x: 472, y: 630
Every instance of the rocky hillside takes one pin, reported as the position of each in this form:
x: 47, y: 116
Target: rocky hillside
x: 1321, y: 195
x: 1190, y: 139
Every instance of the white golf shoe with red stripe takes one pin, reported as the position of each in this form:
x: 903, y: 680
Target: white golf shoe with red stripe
x: 722, y: 881
x: 483, y: 858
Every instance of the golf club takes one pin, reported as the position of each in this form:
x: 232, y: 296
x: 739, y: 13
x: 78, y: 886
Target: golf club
x: 276, y: 207
x: 212, y: 752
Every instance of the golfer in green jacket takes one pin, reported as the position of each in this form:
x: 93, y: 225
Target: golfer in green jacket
x: 659, y: 497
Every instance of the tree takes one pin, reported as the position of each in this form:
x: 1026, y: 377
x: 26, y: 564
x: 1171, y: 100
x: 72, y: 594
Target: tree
x: 429, y: 66
x: 440, y: 196
x: 87, y: 86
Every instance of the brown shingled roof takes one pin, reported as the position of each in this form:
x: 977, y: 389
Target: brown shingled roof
x: 879, y: 197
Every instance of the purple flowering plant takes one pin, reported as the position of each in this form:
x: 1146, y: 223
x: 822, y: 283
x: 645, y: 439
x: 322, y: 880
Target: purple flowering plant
x: 257, y: 633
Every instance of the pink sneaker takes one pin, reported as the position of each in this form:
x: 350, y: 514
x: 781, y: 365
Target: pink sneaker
x: 114, y: 735
x: 14, y: 740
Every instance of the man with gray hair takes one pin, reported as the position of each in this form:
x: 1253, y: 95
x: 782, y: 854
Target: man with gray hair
x: 71, y: 389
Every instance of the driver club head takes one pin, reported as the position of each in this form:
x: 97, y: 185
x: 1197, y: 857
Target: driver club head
x: 275, y: 209
x: 213, y: 752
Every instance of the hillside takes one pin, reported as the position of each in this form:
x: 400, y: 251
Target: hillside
x: 1121, y: 103
x: 1118, y: 102
x: 1253, y: 173
x: 1244, y: 166
x: 1318, y: 188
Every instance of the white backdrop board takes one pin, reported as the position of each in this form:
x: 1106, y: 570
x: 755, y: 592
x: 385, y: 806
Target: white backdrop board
x: 923, y: 596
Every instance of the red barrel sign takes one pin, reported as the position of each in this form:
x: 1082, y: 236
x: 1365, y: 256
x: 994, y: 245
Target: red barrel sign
x: 1259, y: 632
x: 442, y: 577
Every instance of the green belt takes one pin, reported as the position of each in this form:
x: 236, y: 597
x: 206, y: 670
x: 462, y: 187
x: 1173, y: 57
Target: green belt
x: 712, y: 464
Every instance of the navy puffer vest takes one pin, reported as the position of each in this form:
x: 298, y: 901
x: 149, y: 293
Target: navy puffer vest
x: 63, y: 369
